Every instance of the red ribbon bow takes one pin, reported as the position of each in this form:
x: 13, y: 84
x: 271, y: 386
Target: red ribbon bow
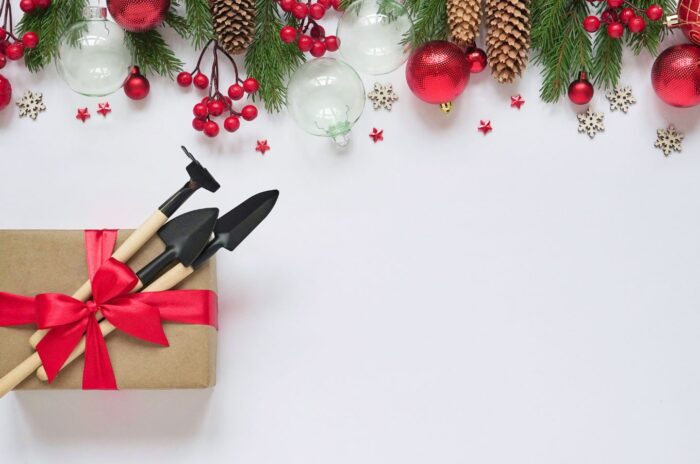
x: 138, y: 314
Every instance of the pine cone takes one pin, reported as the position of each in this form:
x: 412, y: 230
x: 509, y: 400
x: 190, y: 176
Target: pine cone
x: 234, y: 23
x: 464, y: 20
x: 508, y: 37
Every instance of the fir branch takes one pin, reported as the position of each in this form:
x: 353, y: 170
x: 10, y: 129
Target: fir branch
x: 50, y: 25
x: 655, y: 32
x: 607, y: 60
x: 429, y: 21
x: 199, y: 22
x: 178, y: 23
x: 270, y: 60
x: 152, y: 54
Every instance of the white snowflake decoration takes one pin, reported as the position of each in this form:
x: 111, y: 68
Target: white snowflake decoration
x: 382, y: 96
x: 620, y: 98
x: 31, y: 104
x: 590, y: 123
x: 669, y: 140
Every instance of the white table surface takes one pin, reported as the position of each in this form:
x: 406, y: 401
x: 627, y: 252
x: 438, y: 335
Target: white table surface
x: 529, y: 296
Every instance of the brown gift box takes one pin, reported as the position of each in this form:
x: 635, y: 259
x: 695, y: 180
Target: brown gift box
x: 41, y: 261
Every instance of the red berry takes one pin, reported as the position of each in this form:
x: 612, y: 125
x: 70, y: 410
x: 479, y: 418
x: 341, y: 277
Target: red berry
x: 305, y: 43
x: 317, y: 11
x: 27, y: 6
x: 200, y: 81
x: 317, y: 31
x: 3, y: 34
x: 232, y: 123
x: 326, y: 3
x: 211, y: 129
x: 608, y: 16
x: 636, y: 24
x: 336, y: 5
x: 15, y: 51
x: 287, y: 5
x: 200, y: 110
x: 216, y: 107
x: 626, y: 14
x: 205, y: 100
x: 184, y: 79
x: 198, y: 124
x: 236, y: 92
x: 615, y: 30
x: 654, y: 12
x: 300, y: 11
x: 288, y: 34
x: 332, y: 43
x: 318, y: 49
x: 251, y: 85
x: 43, y: 4
x: 615, y: 3
x: 249, y: 112
x: 591, y: 23
x: 30, y: 39
x: 3, y: 61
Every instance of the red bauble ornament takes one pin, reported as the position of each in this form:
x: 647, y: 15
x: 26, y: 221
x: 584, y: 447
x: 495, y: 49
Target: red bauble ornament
x: 5, y: 92
x: 591, y: 23
x: 675, y: 75
x: 615, y: 30
x: 689, y: 19
x: 437, y: 72
x: 288, y: 34
x: 138, y: 15
x: 332, y: 43
x: 30, y: 39
x: 136, y: 86
x: 581, y: 90
x: 249, y: 112
x: 232, y: 123
x: 636, y: 24
x: 184, y: 79
x: 476, y: 60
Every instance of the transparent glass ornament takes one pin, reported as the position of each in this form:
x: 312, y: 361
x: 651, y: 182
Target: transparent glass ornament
x: 92, y: 55
x: 326, y: 97
x: 372, y: 35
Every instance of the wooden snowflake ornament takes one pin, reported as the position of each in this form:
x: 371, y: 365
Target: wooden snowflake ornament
x: 31, y: 104
x: 382, y: 96
x: 620, y: 98
x: 669, y: 140
x: 590, y: 123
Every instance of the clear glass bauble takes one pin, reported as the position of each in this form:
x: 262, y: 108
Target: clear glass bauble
x: 326, y: 97
x: 92, y: 55
x: 372, y: 35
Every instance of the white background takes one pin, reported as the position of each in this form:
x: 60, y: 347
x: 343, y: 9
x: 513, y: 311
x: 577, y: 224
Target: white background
x: 529, y: 296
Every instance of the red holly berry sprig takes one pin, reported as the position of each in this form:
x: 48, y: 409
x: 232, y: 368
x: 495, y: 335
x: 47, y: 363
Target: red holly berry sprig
x: 12, y: 47
x: 621, y: 14
x: 216, y: 104
x: 308, y: 34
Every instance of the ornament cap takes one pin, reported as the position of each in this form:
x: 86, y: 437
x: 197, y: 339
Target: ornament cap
x: 672, y: 21
x: 95, y: 13
x: 446, y: 107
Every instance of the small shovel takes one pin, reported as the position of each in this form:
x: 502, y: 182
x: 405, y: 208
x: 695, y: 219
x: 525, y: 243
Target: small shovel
x: 199, y: 178
x: 230, y: 230
x: 185, y: 237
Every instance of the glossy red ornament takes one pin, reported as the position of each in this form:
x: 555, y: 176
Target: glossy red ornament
x: 476, y: 60
x: 184, y: 79
x: 675, y: 75
x: 30, y: 39
x: 591, y: 23
x: 615, y: 30
x: 249, y: 112
x: 136, y: 86
x: 689, y: 19
x: 437, y: 72
x: 636, y: 24
x: 5, y: 92
x: 581, y: 90
x: 211, y: 129
x: 232, y: 123
x: 138, y: 15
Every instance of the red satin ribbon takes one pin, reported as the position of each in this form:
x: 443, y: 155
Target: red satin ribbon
x: 139, y: 314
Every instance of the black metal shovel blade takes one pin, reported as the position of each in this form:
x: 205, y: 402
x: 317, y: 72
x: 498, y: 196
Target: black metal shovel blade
x: 185, y: 237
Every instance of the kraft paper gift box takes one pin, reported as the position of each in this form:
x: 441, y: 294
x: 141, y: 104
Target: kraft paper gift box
x: 44, y: 261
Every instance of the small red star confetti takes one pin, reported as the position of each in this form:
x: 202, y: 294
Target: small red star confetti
x: 83, y: 114
x: 262, y: 146
x: 516, y: 101
x: 485, y: 126
x: 104, y: 109
x: 376, y: 135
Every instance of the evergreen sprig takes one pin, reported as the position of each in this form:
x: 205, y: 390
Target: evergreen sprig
x: 429, y: 21
x: 270, y: 60
x: 199, y: 22
x: 49, y: 26
x: 177, y: 22
x: 152, y: 54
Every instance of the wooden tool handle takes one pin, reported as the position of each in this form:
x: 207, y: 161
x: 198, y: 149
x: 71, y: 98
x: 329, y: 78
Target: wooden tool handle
x: 124, y: 253
x: 19, y: 373
x: 167, y: 281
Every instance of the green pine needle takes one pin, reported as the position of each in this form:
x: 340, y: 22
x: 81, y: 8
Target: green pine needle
x: 270, y: 60
x: 152, y: 54
x: 199, y: 22
x: 177, y: 22
x: 429, y: 21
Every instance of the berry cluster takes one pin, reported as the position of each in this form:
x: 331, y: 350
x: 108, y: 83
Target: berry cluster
x: 621, y: 13
x: 11, y: 46
x: 28, y: 6
x: 216, y: 103
x: 308, y: 34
